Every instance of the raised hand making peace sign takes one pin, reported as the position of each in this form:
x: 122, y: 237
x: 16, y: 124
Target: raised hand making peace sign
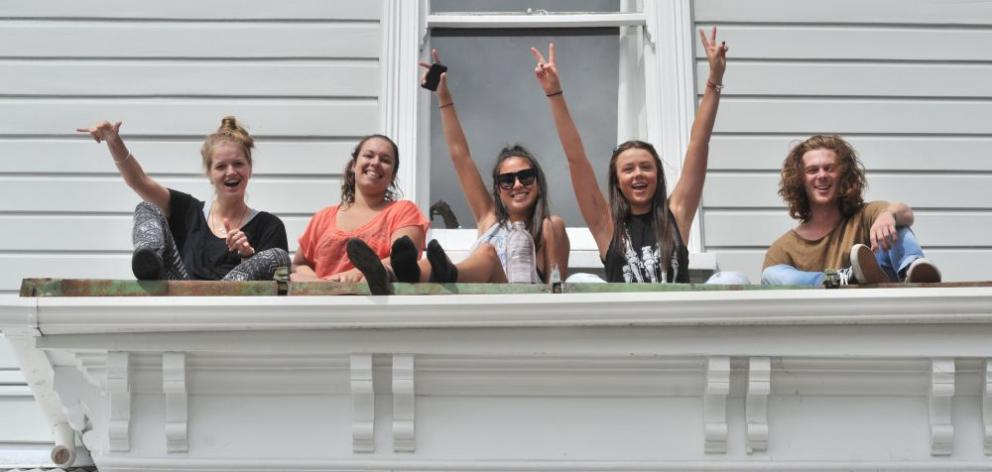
x: 546, y: 71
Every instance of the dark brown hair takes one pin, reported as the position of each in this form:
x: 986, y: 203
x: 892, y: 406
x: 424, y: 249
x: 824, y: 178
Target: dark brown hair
x: 348, y: 186
x: 230, y: 131
x: 850, y: 185
x: 620, y: 207
x: 541, y: 210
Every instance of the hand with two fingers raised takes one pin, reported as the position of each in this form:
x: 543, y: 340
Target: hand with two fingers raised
x: 546, y: 71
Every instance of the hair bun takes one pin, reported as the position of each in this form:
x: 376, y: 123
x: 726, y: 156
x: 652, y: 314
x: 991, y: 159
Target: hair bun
x: 228, y: 123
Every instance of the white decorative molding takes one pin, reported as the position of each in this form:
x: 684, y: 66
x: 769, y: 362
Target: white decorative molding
x: 550, y: 20
x: 860, y: 308
x: 400, y: 93
x: 987, y: 405
x: 362, y: 404
x: 759, y: 386
x: 715, y: 404
x: 404, y: 404
x: 671, y: 88
x: 941, y: 396
x: 119, y: 401
x: 176, y: 390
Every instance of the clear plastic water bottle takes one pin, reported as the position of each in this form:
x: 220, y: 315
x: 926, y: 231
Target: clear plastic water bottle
x: 520, y: 254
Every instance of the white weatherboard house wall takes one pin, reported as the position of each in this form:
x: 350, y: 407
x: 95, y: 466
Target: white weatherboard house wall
x: 907, y: 82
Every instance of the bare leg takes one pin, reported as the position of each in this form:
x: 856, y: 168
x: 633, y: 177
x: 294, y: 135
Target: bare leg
x: 481, y: 266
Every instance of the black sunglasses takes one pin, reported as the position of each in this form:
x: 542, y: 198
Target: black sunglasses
x: 507, y: 180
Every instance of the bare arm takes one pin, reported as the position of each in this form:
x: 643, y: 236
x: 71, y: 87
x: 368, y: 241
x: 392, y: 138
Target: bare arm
x: 685, y: 197
x: 146, y: 187
x: 556, y: 247
x: 593, y: 206
x: 883, y: 229
x: 478, y: 196
x: 302, y: 272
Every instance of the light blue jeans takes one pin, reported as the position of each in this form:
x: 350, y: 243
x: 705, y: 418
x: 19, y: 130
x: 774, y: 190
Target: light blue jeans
x: 893, y: 262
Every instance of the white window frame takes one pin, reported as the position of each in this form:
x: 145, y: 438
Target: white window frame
x: 656, y: 48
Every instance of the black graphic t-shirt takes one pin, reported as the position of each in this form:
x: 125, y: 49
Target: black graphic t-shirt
x: 639, y: 262
x: 205, y: 255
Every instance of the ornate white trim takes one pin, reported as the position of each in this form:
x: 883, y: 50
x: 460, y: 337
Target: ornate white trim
x: 940, y: 397
x: 404, y: 403
x: 398, y: 98
x: 715, y: 404
x: 987, y: 404
x: 759, y: 386
x: 551, y: 20
x: 119, y: 401
x: 363, y: 404
x: 670, y: 89
x: 174, y: 386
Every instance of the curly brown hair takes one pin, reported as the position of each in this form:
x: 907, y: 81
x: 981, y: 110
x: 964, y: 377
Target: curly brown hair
x: 850, y: 186
x: 348, y: 186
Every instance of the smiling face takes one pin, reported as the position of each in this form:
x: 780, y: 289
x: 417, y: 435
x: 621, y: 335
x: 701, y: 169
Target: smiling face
x: 229, y: 170
x: 637, y: 178
x: 519, y: 199
x: 821, y: 177
x: 374, y: 167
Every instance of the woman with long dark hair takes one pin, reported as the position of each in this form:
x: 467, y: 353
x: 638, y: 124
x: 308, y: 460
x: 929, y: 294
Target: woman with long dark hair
x: 519, y: 193
x: 367, y: 225
x: 641, y: 230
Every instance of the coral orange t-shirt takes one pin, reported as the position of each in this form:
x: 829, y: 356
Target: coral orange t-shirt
x: 323, y: 244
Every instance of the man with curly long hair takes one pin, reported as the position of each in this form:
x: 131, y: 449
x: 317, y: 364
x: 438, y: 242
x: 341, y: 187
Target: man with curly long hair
x: 823, y: 182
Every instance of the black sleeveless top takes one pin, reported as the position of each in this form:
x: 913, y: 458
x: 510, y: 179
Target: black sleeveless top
x: 639, y: 263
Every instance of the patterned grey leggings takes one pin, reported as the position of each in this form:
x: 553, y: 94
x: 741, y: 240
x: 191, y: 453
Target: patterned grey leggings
x: 151, y: 230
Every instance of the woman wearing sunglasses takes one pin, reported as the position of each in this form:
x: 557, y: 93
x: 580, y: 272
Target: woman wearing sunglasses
x: 641, y: 232
x: 519, y: 194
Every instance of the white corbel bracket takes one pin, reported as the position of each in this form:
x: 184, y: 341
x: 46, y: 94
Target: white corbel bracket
x: 119, y: 398
x: 362, y: 403
x: 176, y: 391
x: 404, y: 404
x: 940, y: 396
x: 715, y: 404
x: 759, y: 386
x: 987, y: 405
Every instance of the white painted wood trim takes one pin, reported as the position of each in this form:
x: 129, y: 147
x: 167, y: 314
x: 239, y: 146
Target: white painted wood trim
x: 550, y: 20
x: 941, y: 397
x: 860, y: 307
x: 363, y: 403
x: 670, y: 89
x: 404, y: 403
x: 987, y: 404
x: 759, y: 386
x: 176, y: 389
x: 715, y: 404
x: 119, y: 401
x: 399, y: 98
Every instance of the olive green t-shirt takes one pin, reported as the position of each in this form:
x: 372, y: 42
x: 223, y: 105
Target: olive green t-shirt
x: 832, y: 251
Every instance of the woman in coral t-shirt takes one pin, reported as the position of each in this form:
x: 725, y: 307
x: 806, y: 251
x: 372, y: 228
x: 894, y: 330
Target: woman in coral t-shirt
x: 364, y: 225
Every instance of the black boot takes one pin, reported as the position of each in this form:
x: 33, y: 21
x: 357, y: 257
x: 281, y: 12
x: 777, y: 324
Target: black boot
x: 146, y: 263
x: 366, y: 260
x: 404, y: 258
x: 442, y: 269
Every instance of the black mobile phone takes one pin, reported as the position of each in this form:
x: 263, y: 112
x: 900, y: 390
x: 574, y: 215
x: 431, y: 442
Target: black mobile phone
x: 434, y: 76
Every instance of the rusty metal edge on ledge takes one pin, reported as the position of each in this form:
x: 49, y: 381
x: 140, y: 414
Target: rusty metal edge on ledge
x: 51, y: 287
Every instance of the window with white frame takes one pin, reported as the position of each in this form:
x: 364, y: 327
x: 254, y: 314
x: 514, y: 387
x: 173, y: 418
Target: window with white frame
x: 610, y: 54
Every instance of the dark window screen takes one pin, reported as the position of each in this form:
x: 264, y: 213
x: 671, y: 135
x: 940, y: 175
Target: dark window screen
x: 491, y: 76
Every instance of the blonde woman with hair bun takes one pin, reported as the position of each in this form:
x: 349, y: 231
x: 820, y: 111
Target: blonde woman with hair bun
x: 179, y: 237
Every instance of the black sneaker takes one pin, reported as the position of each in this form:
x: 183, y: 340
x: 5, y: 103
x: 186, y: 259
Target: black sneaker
x: 367, y: 261
x: 146, y: 264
